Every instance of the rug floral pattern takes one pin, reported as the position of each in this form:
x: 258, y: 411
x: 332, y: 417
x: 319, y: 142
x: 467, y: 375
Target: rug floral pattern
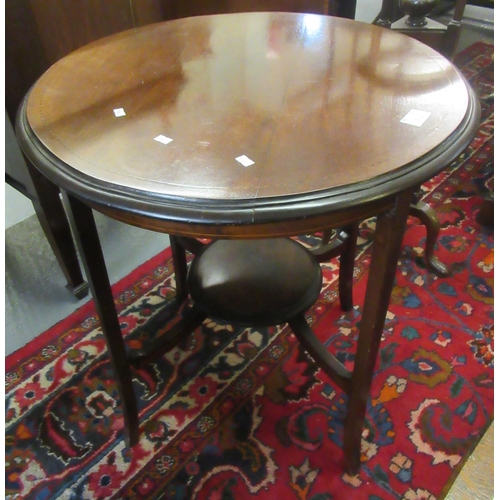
x: 235, y: 413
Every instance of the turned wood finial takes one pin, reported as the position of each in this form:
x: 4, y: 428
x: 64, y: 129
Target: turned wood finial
x: 417, y: 11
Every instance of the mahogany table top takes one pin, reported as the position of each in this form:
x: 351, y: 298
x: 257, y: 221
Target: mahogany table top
x: 237, y: 117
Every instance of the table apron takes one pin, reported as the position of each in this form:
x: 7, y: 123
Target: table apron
x: 282, y: 228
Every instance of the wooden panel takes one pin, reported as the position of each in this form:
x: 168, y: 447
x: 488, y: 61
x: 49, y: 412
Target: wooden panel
x: 65, y: 26
x: 150, y: 11
x: 187, y: 8
x: 25, y: 60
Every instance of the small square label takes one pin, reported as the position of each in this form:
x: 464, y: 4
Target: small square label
x: 244, y: 160
x: 119, y: 112
x: 163, y: 139
x: 416, y: 117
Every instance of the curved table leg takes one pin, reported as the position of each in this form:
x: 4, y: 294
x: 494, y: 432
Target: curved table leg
x: 384, y: 260
x: 95, y: 267
x: 427, y: 215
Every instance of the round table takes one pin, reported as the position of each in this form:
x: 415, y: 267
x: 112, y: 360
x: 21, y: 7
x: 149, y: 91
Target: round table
x: 244, y: 126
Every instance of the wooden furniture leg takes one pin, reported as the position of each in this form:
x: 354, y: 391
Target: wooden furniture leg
x: 384, y: 259
x: 344, y: 246
x: 356, y: 384
x: 53, y: 219
x: 428, y: 217
x: 93, y: 260
x: 486, y: 214
x: 180, y: 266
x: 419, y: 209
x: 346, y: 272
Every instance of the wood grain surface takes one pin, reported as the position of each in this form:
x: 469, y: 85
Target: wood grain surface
x: 314, y: 102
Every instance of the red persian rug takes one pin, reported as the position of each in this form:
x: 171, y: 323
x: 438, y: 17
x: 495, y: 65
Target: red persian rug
x: 236, y: 413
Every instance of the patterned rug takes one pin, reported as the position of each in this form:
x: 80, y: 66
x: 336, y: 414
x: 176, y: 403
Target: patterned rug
x: 236, y: 413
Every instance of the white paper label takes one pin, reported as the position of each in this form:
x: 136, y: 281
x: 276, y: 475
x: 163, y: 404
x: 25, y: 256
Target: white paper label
x: 163, y: 139
x: 416, y: 117
x: 119, y: 112
x: 244, y: 160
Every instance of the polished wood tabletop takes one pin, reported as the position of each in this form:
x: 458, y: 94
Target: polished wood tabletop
x: 247, y: 118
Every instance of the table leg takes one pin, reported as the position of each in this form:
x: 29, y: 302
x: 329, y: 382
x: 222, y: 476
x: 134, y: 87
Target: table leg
x: 384, y: 258
x: 428, y: 216
x: 344, y: 245
x: 180, y: 268
x: 485, y: 216
x: 346, y: 271
x: 52, y: 217
x: 95, y: 267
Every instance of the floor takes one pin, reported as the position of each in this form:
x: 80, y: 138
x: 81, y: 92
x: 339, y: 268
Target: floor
x: 475, y: 481
x: 36, y: 297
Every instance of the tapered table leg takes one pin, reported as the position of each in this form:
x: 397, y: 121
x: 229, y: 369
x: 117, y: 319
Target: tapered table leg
x: 346, y: 271
x: 180, y: 269
x: 384, y: 258
x: 95, y: 268
x: 52, y: 217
